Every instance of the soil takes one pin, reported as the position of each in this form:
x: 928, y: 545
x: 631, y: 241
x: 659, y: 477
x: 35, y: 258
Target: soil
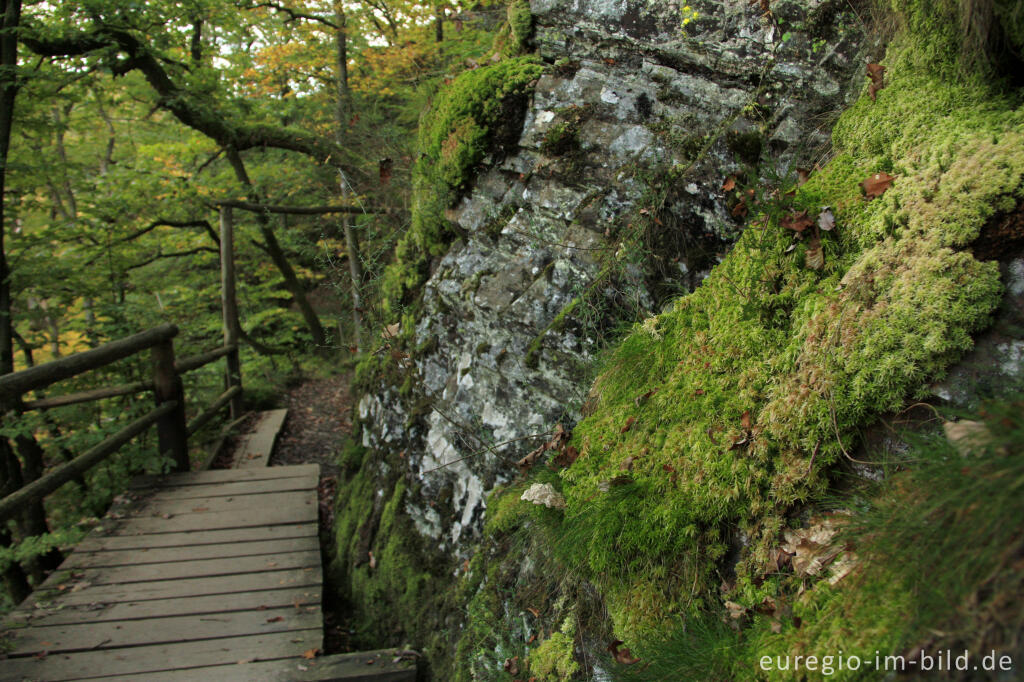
x: 319, y: 420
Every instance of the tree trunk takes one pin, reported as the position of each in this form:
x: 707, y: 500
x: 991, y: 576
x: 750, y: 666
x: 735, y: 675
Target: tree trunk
x: 273, y: 248
x: 343, y: 110
x: 10, y: 468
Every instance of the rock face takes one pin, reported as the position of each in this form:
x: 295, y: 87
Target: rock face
x: 611, y: 205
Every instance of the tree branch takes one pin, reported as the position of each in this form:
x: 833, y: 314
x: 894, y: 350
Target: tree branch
x: 294, y: 15
x: 291, y: 210
x: 176, y: 254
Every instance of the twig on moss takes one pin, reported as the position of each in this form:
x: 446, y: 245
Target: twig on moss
x: 839, y: 439
x: 810, y: 465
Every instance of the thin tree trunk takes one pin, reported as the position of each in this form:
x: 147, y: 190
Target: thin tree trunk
x: 343, y: 110
x: 273, y: 247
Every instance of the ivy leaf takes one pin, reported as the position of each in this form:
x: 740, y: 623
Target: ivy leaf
x: 876, y: 185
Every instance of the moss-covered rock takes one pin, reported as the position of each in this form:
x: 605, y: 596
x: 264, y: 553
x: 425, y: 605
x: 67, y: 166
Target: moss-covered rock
x: 480, y: 112
x: 759, y: 380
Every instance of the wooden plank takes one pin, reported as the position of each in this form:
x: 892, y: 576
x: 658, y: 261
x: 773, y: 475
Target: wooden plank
x: 145, y: 659
x: 78, y: 592
x: 254, y: 449
x: 273, y: 485
x: 178, y: 606
x: 368, y: 666
x: 246, y: 518
x: 123, y: 575
x: 223, y: 476
x: 58, y: 639
x: 103, y: 543
x: 161, y: 555
x: 215, y: 505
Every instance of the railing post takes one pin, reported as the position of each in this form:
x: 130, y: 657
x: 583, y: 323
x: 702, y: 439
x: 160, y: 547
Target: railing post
x: 229, y: 307
x: 171, y: 431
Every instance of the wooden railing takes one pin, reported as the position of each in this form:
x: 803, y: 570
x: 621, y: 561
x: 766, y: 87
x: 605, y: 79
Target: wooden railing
x: 168, y: 415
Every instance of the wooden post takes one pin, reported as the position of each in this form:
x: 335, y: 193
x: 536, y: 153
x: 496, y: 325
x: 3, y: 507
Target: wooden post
x: 229, y: 307
x: 170, y: 428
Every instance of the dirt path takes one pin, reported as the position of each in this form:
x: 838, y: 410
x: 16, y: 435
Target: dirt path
x: 319, y: 412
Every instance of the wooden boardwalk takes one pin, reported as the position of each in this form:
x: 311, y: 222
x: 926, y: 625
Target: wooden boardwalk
x: 196, y: 576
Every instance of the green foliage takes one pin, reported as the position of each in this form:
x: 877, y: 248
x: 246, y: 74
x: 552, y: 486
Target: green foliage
x: 554, y: 658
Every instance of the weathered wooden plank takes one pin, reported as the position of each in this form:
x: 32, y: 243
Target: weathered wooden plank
x: 161, y: 555
x: 102, y: 543
x: 368, y: 666
x: 146, y: 659
x: 245, y: 518
x: 158, y: 630
x: 78, y: 592
x: 179, y: 606
x: 124, y: 575
x: 224, y: 476
x: 254, y: 449
x: 215, y: 505
x: 272, y: 485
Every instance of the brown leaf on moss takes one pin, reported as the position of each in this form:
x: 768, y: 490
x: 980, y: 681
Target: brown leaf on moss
x: 535, y: 612
x: 740, y: 210
x: 745, y: 420
x: 729, y: 184
x: 512, y: 665
x: 621, y: 654
x: 876, y: 185
x: 802, y: 175
x: 641, y: 399
x: 876, y: 72
x: 628, y: 425
x: 798, y: 222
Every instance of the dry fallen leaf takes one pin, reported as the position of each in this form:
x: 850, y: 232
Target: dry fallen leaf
x: 968, y: 437
x: 815, y: 255
x: 798, y: 222
x: 544, y: 493
x: 621, y: 654
x: 826, y: 221
x: 275, y: 619
x: 512, y: 665
x: 535, y: 612
x: 628, y: 425
x: 876, y: 185
x: 729, y: 184
x: 876, y: 72
x: 802, y: 175
x: 310, y: 654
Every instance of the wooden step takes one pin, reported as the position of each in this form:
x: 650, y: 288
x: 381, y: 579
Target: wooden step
x: 253, y: 450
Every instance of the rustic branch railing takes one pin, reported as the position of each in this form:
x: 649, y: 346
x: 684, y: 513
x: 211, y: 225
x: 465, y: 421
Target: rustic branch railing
x: 168, y: 415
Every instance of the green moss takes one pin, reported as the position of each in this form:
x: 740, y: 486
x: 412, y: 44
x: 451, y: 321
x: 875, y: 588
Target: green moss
x: 554, y: 659
x: 809, y: 356
x: 520, y: 21
x: 479, y: 110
